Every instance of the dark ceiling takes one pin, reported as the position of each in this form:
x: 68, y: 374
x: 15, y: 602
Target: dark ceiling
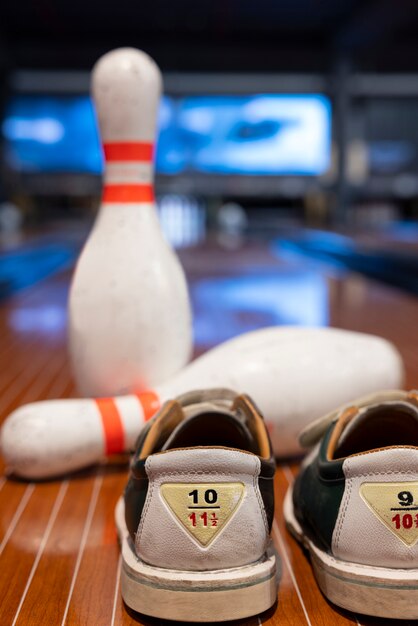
x: 213, y: 35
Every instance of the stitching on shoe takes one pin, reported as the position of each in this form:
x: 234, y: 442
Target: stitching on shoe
x: 146, y: 507
x: 344, y: 511
x: 258, y: 495
x: 197, y: 473
x: 389, y: 473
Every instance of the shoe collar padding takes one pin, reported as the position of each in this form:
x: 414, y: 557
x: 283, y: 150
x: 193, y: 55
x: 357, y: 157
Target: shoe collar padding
x: 314, y: 432
x: 169, y: 419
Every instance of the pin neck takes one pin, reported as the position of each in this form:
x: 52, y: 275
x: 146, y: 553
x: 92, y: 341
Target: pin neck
x: 128, y: 172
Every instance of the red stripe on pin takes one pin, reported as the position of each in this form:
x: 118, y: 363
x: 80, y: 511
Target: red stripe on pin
x: 150, y: 403
x: 114, y: 433
x: 128, y: 151
x: 123, y: 193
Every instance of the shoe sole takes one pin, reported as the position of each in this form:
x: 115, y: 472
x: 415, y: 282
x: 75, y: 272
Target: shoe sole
x: 188, y: 596
x: 376, y: 591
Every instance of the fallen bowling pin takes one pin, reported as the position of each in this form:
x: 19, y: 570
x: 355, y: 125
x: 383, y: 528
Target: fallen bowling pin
x: 129, y: 310
x: 294, y: 374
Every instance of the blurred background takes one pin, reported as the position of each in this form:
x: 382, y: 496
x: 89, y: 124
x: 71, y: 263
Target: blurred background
x: 291, y: 127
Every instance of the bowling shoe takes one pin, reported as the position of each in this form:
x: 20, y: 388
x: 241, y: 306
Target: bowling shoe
x: 194, y: 521
x: 354, y: 505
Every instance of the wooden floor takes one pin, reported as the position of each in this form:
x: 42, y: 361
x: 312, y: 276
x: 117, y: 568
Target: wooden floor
x: 59, y: 557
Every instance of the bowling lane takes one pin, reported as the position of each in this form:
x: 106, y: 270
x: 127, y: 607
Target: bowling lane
x: 59, y: 558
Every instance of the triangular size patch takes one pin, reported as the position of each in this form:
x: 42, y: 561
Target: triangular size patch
x: 203, y: 509
x: 396, y: 506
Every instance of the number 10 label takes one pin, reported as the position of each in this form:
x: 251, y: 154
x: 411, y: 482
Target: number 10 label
x: 203, y: 509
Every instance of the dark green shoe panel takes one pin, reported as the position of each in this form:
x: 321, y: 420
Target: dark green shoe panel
x: 135, y: 496
x: 317, y: 495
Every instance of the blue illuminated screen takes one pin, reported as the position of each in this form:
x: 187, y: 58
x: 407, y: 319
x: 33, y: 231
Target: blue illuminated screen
x: 251, y: 135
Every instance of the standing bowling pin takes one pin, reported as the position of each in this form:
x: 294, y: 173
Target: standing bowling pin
x: 129, y: 311
x: 295, y: 375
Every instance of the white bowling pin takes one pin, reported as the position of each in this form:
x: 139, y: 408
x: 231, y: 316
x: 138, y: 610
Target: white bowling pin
x: 129, y: 311
x: 295, y: 375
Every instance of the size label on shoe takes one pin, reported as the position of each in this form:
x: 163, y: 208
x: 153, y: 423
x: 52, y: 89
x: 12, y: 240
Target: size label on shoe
x: 396, y: 506
x: 203, y: 509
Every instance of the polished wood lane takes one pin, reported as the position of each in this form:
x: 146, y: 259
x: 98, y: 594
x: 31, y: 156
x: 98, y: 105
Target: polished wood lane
x: 59, y: 557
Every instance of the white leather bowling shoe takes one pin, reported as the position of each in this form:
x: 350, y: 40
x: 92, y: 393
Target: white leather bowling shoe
x: 194, y: 522
x: 354, y: 505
